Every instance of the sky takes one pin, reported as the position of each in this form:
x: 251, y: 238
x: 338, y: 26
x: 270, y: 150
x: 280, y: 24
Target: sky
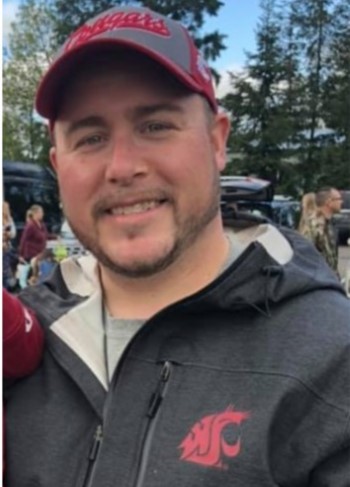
x: 237, y: 19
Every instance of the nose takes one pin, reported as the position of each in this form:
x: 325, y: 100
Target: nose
x: 125, y: 161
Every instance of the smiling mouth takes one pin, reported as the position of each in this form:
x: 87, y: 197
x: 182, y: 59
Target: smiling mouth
x: 136, y: 208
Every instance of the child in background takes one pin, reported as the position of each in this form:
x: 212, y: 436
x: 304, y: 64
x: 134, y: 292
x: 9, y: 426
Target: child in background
x: 46, y: 263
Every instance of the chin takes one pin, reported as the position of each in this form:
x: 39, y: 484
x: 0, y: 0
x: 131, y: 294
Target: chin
x: 135, y: 265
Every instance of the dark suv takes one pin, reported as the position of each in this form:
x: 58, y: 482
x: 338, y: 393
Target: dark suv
x: 256, y: 197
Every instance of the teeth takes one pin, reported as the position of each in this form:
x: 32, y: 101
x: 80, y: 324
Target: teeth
x: 138, y: 208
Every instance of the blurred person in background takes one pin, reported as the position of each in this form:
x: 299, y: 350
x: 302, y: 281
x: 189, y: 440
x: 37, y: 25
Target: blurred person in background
x: 32, y: 243
x: 308, y: 211
x: 45, y: 263
x: 321, y: 229
x: 8, y: 251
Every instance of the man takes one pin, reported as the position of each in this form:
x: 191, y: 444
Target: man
x: 178, y: 353
x: 321, y: 231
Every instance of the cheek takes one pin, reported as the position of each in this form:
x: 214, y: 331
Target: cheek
x: 76, y: 180
x: 77, y: 191
x: 201, y: 166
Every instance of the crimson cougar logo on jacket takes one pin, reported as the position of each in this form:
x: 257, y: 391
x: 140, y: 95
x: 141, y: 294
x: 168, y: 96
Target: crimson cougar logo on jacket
x: 205, y: 443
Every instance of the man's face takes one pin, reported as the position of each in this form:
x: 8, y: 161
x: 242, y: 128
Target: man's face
x: 138, y: 168
x: 335, y: 201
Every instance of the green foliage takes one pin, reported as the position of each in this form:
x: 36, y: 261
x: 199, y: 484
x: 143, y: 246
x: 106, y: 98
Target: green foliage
x: 24, y: 136
x: 336, y: 89
x: 257, y: 105
x: 295, y: 85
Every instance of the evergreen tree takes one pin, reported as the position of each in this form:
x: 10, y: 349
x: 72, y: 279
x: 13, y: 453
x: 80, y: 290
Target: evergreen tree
x: 313, y: 20
x: 290, y: 109
x: 336, y: 97
x: 257, y: 102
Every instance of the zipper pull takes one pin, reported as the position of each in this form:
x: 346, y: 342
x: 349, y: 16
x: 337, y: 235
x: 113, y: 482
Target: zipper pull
x: 158, y: 396
x: 96, y: 443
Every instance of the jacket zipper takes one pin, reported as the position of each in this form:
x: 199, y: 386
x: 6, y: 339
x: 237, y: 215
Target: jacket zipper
x: 95, y: 447
x: 152, y: 414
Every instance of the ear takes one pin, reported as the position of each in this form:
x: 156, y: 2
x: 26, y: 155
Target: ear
x: 219, y: 133
x: 53, y: 158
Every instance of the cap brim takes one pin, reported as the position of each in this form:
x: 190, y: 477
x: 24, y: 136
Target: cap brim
x: 52, y: 83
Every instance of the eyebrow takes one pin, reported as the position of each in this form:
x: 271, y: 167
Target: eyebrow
x: 134, y: 114
x: 146, y: 110
x: 90, y: 121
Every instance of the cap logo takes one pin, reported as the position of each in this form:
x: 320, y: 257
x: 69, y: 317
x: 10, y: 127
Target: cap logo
x: 118, y: 20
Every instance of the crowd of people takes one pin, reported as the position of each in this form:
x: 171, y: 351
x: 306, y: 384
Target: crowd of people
x: 179, y: 351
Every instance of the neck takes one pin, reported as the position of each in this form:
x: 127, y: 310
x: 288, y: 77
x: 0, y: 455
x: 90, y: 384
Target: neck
x: 141, y: 298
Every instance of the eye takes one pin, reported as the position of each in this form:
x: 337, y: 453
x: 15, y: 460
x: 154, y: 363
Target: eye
x: 155, y: 127
x: 90, y: 140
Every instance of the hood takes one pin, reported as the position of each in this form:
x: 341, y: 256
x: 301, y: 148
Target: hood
x: 277, y: 263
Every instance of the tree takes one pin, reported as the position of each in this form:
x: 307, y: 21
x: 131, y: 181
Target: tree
x: 257, y: 101
x: 291, y: 107
x: 313, y: 22
x: 336, y: 96
x: 25, y: 137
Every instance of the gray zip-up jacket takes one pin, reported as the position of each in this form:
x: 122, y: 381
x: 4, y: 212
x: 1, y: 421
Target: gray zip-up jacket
x: 244, y: 384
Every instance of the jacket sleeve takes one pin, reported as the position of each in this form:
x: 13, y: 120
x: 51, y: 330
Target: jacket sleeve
x: 22, y: 338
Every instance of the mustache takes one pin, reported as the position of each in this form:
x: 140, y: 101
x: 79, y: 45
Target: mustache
x: 122, y: 197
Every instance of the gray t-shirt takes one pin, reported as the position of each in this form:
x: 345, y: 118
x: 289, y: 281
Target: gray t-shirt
x: 119, y: 332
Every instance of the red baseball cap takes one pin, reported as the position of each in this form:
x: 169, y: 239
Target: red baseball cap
x: 164, y: 40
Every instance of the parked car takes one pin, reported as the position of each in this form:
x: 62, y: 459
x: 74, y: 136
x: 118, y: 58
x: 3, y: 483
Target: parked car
x: 26, y: 184
x: 256, y: 197
x: 342, y: 219
x: 282, y: 212
x: 236, y: 188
